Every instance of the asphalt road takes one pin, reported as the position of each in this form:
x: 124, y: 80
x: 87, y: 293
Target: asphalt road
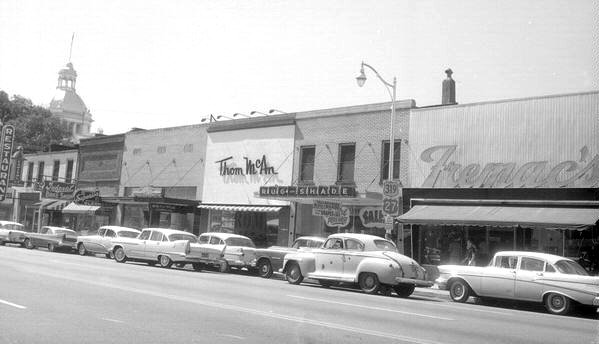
x: 65, y: 298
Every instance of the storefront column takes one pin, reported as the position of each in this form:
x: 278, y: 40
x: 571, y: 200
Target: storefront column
x: 291, y: 236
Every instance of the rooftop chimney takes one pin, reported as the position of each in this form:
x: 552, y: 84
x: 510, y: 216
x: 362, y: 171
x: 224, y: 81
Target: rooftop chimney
x: 448, y: 94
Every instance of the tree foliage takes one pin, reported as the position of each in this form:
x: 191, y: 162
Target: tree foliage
x: 35, y: 127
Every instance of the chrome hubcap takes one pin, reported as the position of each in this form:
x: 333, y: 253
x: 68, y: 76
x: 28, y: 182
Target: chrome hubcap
x: 369, y: 282
x: 458, y: 290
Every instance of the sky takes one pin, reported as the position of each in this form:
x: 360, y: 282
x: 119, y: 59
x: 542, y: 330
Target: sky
x: 158, y: 63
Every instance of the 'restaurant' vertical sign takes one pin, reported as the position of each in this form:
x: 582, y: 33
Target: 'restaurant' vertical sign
x: 8, y: 135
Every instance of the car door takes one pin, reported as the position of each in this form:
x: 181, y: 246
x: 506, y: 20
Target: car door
x: 137, y: 247
x: 499, y: 279
x: 328, y: 261
x: 105, y: 241
x: 153, y: 245
x: 529, y: 271
x: 352, y: 257
x: 93, y: 242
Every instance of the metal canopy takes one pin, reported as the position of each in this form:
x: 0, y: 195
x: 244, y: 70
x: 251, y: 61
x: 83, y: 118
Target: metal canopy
x: 506, y: 216
x: 74, y: 208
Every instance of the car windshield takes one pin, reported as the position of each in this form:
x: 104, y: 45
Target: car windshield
x: 179, y: 236
x: 63, y: 231
x: 127, y: 234
x: 244, y: 242
x: 570, y: 268
x: 14, y: 226
x: 385, y: 245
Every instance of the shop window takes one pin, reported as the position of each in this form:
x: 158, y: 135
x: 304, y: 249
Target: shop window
x: 188, y: 148
x: 307, y: 155
x: 55, y: 170
x: 347, y: 157
x: 29, y: 172
x: 385, y: 160
x: 69, y: 174
x: 40, y: 171
x: 161, y: 149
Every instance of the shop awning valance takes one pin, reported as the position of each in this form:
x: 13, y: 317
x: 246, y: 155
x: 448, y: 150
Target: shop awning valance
x: 506, y: 216
x: 51, y: 204
x: 74, y: 208
x: 245, y: 208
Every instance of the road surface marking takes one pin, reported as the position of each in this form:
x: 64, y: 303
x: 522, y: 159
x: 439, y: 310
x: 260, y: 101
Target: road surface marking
x: 113, y: 320
x: 13, y: 304
x: 232, y: 336
x: 369, y: 307
x: 252, y: 311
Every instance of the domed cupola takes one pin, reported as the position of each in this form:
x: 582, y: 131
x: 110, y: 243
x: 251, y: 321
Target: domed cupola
x: 68, y: 106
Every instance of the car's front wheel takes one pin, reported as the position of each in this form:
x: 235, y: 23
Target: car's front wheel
x: 119, y: 255
x: 459, y: 291
x: 81, y: 249
x: 369, y: 283
x: 294, y: 274
x: 404, y: 290
x: 165, y: 262
x: 264, y: 268
x: 557, y: 304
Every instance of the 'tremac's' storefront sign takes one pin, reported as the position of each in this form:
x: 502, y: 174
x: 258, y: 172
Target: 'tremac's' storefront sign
x: 445, y: 172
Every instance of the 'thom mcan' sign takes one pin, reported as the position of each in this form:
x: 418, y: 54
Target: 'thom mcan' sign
x: 8, y: 135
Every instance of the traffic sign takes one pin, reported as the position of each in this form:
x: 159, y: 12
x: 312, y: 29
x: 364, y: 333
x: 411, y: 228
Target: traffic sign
x: 392, y: 188
x: 391, y: 206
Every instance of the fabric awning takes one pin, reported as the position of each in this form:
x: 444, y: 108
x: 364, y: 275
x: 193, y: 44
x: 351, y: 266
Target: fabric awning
x: 74, y: 208
x: 50, y: 204
x: 245, y: 208
x: 544, y: 217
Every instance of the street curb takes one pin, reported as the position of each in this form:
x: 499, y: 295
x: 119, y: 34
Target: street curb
x: 432, y: 293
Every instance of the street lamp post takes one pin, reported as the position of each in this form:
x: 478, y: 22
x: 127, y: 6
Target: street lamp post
x: 361, y: 79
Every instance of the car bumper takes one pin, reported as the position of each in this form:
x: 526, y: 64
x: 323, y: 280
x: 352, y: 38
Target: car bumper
x: 416, y: 282
x: 241, y: 263
x: 441, y: 283
x: 67, y: 244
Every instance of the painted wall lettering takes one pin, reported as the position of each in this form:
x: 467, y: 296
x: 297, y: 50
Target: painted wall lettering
x: 446, y: 173
x: 252, y: 167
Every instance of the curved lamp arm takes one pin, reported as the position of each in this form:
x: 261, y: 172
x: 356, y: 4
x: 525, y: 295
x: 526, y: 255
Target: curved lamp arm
x: 362, y: 79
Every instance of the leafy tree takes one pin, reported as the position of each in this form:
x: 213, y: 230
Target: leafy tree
x: 35, y: 127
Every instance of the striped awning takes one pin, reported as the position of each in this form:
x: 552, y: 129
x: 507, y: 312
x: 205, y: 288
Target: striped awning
x: 51, y: 204
x: 74, y: 208
x: 242, y: 208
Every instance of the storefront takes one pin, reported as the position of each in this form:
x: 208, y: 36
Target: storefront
x: 242, y: 156
x: 507, y: 175
x: 86, y: 213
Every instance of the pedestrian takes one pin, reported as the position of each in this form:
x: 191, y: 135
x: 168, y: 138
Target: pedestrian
x: 471, y: 252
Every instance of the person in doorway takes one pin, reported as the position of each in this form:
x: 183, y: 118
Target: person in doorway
x: 471, y: 252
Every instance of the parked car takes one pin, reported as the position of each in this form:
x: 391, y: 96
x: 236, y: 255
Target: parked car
x: 371, y: 262
x: 239, y: 252
x: 271, y: 259
x: 53, y: 238
x: 555, y: 281
x: 12, y: 232
x: 165, y: 247
x: 103, y: 241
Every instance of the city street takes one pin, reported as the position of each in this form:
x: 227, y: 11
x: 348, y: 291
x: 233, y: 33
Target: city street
x: 65, y: 298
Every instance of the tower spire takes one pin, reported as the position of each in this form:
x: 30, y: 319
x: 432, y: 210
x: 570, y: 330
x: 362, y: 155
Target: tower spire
x: 71, y: 50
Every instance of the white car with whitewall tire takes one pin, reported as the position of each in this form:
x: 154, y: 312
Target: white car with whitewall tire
x: 12, y: 233
x: 166, y: 247
x: 239, y: 251
x: 556, y: 282
x: 102, y: 241
x: 369, y: 261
